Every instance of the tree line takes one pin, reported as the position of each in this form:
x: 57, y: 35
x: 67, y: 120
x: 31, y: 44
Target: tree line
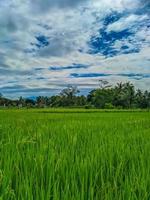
x: 121, y: 96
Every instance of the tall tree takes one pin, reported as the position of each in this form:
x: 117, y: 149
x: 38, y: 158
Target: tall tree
x: 68, y: 96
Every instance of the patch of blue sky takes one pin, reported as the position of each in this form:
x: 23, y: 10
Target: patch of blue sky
x: 136, y: 76
x: 73, y: 66
x: 89, y: 75
x: 104, y: 42
x: 42, y: 41
x: 111, y: 18
x: 131, y: 75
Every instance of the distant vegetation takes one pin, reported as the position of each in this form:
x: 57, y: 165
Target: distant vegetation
x: 123, y: 96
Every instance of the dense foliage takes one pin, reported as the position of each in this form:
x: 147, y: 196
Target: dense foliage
x: 123, y: 95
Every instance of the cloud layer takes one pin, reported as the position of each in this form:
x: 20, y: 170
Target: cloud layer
x: 46, y: 45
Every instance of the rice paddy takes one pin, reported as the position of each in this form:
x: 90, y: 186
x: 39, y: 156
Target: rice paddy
x: 74, y: 155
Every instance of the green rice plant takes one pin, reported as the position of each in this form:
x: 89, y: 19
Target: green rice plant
x: 73, y: 154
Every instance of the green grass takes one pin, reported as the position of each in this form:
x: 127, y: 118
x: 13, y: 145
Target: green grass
x: 74, y: 155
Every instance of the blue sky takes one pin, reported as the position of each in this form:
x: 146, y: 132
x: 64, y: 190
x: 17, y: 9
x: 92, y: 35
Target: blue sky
x: 47, y: 45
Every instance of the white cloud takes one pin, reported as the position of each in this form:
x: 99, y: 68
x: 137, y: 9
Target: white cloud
x: 126, y: 22
x: 68, y: 26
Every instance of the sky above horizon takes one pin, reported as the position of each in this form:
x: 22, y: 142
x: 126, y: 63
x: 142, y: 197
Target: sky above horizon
x: 46, y: 45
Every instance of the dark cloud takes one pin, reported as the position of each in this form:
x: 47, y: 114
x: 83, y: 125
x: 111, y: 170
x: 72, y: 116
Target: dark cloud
x: 146, y: 3
x: 18, y: 90
x: 14, y: 87
x: 58, y: 46
x: 145, y: 6
x: 2, y: 62
x: 9, y: 72
x: 43, y: 6
x: 12, y: 21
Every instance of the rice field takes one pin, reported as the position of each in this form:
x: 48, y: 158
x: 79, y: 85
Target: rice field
x: 74, y: 155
